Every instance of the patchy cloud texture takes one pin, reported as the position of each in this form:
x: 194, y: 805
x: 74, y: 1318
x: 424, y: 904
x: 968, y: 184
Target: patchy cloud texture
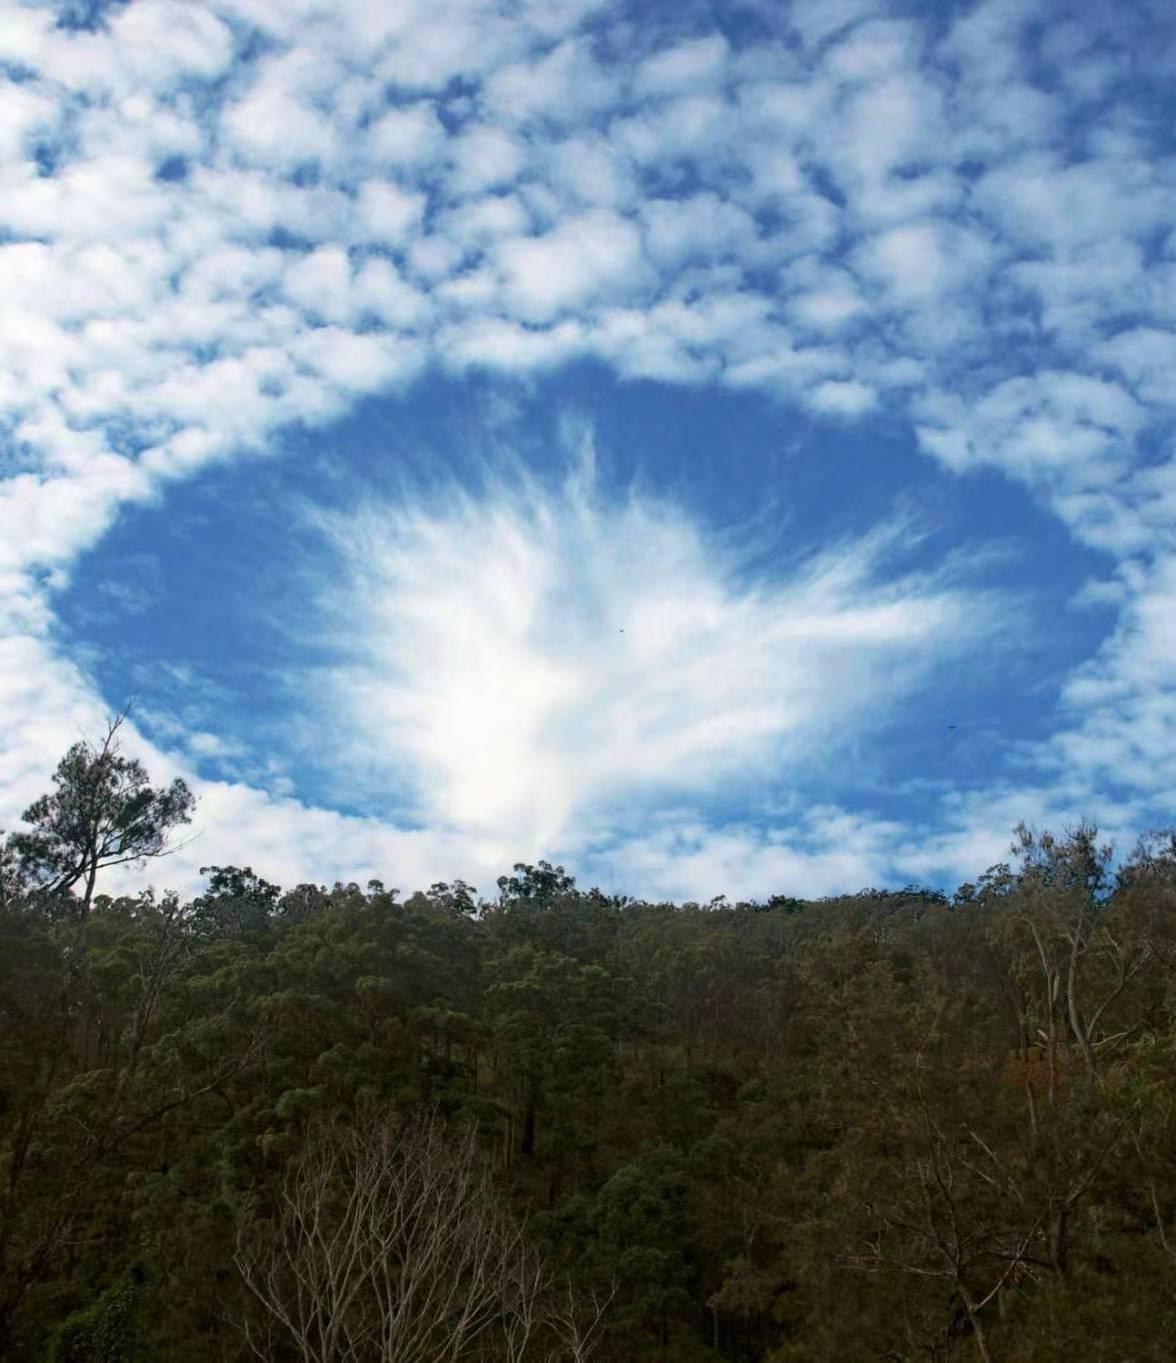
x: 220, y: 219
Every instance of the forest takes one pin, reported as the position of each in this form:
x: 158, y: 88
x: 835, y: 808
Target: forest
x: 360, y: 1124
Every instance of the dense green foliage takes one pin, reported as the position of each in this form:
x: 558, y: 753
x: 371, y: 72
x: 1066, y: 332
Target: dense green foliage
x: 882, y: 1127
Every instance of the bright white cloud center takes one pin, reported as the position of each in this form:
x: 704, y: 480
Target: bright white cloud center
x: 533, y: 654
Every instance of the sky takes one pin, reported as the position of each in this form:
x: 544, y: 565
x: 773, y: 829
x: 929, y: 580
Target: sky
x: 724, y: 448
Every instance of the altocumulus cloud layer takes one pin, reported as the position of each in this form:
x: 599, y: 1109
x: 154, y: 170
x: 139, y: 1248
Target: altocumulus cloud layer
x: 223, y: 217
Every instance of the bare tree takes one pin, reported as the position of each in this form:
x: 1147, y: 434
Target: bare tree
x: 578, y: 1322
x: 309, y: 1263
x: 449, y: 1262
x: 525, y: 1285
x: 952, y: 1213
x: 387, y: 1243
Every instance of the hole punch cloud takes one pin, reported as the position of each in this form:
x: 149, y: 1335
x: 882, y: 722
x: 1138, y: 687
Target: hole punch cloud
x: 227, y: 222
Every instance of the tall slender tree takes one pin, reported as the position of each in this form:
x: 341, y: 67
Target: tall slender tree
x: 102, y: 812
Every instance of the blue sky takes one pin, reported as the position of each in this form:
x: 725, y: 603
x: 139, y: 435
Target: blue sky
x: 629, y: 435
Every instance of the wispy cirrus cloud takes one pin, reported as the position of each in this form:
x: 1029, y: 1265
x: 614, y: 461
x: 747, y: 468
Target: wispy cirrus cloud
x: 526, y: 655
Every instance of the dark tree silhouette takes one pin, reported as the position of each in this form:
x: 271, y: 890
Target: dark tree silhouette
x: 102, y: 812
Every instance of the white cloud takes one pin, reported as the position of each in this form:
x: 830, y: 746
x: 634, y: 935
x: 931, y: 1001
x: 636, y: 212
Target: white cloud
x: 1044, y: 202
x: 381, y: 291
x: 589, y: 256
x: 408, y: 135
x: 824, y: 851
x: 884, y: 126
x: 698, y: 228
x: 1122, y: 703
x: 56, y: 702
x: 164, y: 40
x: 826, y: 297
x: 846, y: 397
x: 23, y: 112
x: 874, y: 50
x: 482, y: 220
x: 485, y: 157
x: 1060, y: 428
x: 689, y: 66
x: 321, y: 283
x: 529, y: 655
x: 25, y: 36
x: 273, y: 127
x: 496, y: 344
x: 234, y: 823
x: 925, y: 260
x: 817, y: 20
x: 356, y: 363
x: 1146, y: 357
x: 386, y: 213
x: 563, y: 87
x: 589, y: 170
x: 434, y: 41
x: 693, y: 126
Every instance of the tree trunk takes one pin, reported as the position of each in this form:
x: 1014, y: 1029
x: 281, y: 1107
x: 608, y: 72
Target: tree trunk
x: 91, y: 881
x: 1059, y: 1239
x: 977, y: 1327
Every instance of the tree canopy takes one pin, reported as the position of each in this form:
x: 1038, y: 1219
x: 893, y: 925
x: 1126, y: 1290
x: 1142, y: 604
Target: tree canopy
x: 101, y: 812
x: 329, y: 1123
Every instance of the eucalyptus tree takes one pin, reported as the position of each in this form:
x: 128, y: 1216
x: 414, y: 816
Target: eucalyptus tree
x: 102, y: 812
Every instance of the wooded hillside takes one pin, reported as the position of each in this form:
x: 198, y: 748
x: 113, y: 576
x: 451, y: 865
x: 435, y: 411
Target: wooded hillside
x: 357, y: 1124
